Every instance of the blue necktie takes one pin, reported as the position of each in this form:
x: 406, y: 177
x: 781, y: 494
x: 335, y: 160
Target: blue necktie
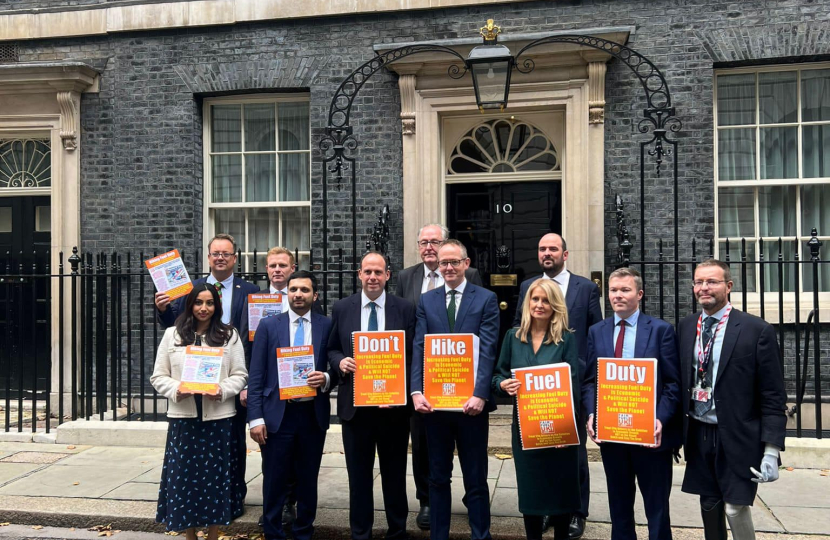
x: 373, y: 318
x: 299, y: 335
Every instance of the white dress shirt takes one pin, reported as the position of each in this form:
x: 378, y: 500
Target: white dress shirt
x: 366, y: 311
x: 562, y: 279
x: 459, y: 292
x: 439, y: 279
x: 630, y: 339
x: 227, y: 296
x: 284, y: 293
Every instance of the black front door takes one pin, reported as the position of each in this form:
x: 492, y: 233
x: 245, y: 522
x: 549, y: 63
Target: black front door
x: 501, y: 224
x: 24, y: 298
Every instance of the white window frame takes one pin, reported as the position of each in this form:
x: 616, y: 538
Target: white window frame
x: 207, y: 190
x: 771, y: 298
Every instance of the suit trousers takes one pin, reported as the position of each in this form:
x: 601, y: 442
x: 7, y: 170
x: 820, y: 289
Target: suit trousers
x: 420, y: 458
x: 297, y: 446
x: 623, y: 463
x: 447, y: 431
x: 584, y: 471
x: 240, y: 437
x: 387, y: 431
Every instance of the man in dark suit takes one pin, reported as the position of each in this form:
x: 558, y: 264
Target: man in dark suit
x: 631, y: 334
x: 291, y: 433
x: 412, y: 282
x: 233, y: 292
x: 367, y: 430
x: 463, y: 308
x: 734, y: 403
x: 582, y: 298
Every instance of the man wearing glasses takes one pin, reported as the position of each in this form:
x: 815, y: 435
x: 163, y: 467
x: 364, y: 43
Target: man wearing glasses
x: 463, y: 308
x: 412, y: 282
x: 734, y: 403
x: 233, y: 291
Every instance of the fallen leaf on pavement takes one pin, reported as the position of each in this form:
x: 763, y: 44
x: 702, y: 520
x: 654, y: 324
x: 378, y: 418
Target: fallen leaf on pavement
x: 76, y: 483
x: 101, y: 528
x: 790, y: 469
x: 70, y: 447
x: 37, y: 527
x: 171, y: 533
x: 504, y: 456
x: 71, y: 528
x: 5, y: 524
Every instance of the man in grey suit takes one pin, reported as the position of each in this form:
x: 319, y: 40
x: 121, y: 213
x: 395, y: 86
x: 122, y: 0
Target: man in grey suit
x: 413, y: 281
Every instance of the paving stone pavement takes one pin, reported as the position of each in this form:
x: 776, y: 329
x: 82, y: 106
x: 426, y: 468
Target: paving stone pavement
x: 799, y: 503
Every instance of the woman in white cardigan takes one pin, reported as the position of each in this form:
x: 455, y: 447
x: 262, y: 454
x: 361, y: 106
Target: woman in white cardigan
x: 199, y: 460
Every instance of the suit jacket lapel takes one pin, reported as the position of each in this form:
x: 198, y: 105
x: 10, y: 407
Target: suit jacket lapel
x: 687, y: 354
x: 730, y: 338
x: 237, y: 302
x: 391, y: 315
x: 317, y: 340
x: 570, y: 296
x: 436, y: 303
x: 415, y: 282
x: 609, y: 337
x: 284, y: 332
x: 643, y: 334
x: 466, y: 299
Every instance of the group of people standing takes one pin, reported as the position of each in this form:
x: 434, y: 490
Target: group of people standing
x: 720, y: 396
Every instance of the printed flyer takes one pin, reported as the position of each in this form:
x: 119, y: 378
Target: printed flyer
x: 450, y: 368
x: 202, y: 367
x: 545, y: 406
x: 293, y: 367
x: 169, y: 274
x: 626, y: 400
x: 261, y: 306
x: 380, y: 377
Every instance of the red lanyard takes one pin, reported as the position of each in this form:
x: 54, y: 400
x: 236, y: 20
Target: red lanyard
x: 704, y: 352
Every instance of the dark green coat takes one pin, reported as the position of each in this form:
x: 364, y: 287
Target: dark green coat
x: 548, y: 479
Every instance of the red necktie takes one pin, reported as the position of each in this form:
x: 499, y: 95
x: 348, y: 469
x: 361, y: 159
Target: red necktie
x: 620, y: 338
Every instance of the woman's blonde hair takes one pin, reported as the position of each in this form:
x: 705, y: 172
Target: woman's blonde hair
x: 558, y: 322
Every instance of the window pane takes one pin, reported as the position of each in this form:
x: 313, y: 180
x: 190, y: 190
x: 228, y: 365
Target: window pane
x: 736, y: 100
x: 227, y: 178
x: 295, y: 227
x: 779, y: 152
x: 43, y: 218
x: 815, y: 210
x: 226, y: 131
x: 815, y: 95
x: 260, y: 177
x: 294, y: 179
x: 815, y: 144
x: 294, y: 126
x: 736, y: 213
x: 260, y: 126
x: 736, y: 154
x: 772, y: 278
x: 737, y: 268
x: 776, y: 211
x: 808, y: 275
x: 231, y: 222
x: 264, y: 228
x: 778, y: 97
x: 5, y: 219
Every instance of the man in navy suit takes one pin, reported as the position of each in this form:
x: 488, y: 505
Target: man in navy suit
x: 291, y: 433
x: 582, y: 299
x: 367, y: 430
x: 734, y: 403
x: 463, y: 308
x: 631, y: 334
x: 233, y: 292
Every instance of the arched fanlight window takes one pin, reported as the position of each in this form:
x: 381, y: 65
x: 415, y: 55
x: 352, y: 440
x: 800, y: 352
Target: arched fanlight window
x: 503, y: 146
x: 25, y: 163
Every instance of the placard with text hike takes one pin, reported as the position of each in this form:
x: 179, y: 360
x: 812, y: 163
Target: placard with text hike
x: 450, y: 368
x: 545, y: 405
x: 626, y: 400
x: 261, y: 306
x: 201, y: 370
x: 294, y: 364
x: 169, y: 274
x: 380, y: 375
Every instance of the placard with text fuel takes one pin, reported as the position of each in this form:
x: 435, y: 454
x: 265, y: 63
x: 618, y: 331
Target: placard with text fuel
x: 380, y: 374
x: 545, y: 406
x: 450, y: 367
x: 626, y: 400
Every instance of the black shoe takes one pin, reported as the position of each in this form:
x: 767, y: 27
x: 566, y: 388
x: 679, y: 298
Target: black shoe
x: 261, y: 519
x: 577, y: 528
x: 289, y: 514
x: 422, y: 521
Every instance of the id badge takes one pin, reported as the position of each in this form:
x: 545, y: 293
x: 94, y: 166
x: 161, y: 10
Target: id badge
x: 701, y: 394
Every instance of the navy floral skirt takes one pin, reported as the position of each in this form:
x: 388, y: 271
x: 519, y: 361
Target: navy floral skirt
x: 200, y: 463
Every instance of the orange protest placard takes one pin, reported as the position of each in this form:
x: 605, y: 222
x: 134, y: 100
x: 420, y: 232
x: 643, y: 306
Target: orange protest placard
x: 169, y: 274
x: 626, y: 400
x: 294, y: 364
x: 201, y: 370
x: 380, y: 375
x: 545, y: 405
x: 261, y: 306
x: 450, y: 367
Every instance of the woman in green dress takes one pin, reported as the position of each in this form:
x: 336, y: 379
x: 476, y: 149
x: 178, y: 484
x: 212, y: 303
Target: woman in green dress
x: 548, y: 479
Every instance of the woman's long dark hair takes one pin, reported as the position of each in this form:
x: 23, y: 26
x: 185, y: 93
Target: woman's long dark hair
x: 218, y: 333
